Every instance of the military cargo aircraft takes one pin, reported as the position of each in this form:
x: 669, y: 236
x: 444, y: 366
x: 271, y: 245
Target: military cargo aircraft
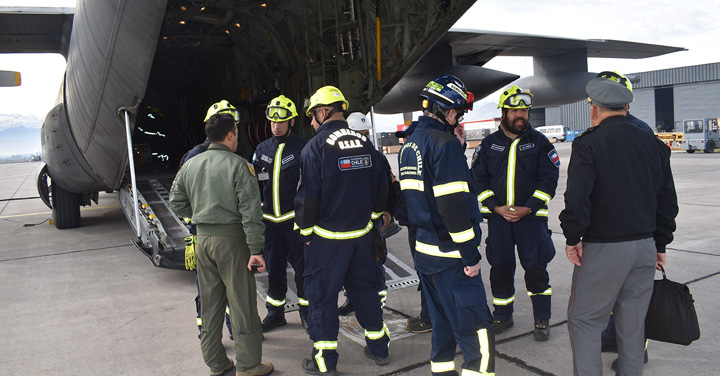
x: 141, y: 74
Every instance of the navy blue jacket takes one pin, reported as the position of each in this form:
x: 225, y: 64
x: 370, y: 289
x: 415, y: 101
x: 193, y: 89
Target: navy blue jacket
x: 277, y: 166
x: 441, y: 200
x: 520, y: 172
x: 343, y: 184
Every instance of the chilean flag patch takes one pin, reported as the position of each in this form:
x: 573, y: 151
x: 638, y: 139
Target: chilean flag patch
x: 554, y: 157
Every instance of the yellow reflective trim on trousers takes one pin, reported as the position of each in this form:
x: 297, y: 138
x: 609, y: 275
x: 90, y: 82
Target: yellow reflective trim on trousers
x: 542, y: 196
x: 302, y: 302
x: 450, y: 188
x: 341, y: 235
x: 463, y: 236
x: 277, y: 166
x: 276, y: 303
x: 227, y: 309
x: 542, y: 213
x: 484, y: 209
x: 199, y: 321
x: 500, y: 301
x: 512, y: 161
x: 325, y: 345
x: 484, y: 195
x: 467, y: 372
x: 375, y: 335
x: 320, y: 361
x: 484, y: 352
x: 375, y: 215
x: 546, y: 292
x: 305, y: 231
x: 281, y: 218
x: 440, y: 367
x: 434, y: 250
x: 414, y: 184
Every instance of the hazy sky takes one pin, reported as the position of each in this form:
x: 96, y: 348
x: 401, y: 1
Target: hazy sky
x: 689, y: 24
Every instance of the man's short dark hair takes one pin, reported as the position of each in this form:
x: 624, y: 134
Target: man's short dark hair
x: 218, y: 126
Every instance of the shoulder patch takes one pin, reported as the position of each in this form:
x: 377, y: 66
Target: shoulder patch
x: 475, y: 155
x: 354, y: 162
x: 554, y: 157
x: 251, y: 168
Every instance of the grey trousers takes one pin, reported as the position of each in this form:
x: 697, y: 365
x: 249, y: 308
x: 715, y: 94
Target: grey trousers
x: 224, y: 279
x: 618, y: 278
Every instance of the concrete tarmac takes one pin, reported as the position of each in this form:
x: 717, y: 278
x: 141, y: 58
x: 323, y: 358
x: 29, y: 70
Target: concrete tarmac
x: 85, y: 301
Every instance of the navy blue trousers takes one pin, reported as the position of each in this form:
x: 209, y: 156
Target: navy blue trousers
x: 282, y: 245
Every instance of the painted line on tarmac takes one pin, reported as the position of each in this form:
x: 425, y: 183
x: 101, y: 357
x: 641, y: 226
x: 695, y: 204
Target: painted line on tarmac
x: 50, y: 212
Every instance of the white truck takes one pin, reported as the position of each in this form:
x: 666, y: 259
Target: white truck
x: 700, y: 134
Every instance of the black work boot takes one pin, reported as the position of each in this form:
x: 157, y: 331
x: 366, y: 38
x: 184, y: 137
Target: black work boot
x: 346, y: 309
x: 379, y: 360
x: 310, y: 367
x: 542, y: 330
x: 270, y: 322
x: 499, y: 326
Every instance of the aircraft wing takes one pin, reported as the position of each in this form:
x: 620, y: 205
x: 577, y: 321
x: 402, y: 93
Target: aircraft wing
x: 35, y: 30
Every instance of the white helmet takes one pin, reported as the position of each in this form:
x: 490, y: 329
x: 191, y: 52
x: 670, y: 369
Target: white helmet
x: 358, y: 122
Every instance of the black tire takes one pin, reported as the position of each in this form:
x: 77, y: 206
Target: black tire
x: 710, y: 147
x: 66, y: 208
x: 690, y: 151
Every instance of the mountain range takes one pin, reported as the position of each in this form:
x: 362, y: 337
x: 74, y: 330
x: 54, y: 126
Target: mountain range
x: 19, y: 134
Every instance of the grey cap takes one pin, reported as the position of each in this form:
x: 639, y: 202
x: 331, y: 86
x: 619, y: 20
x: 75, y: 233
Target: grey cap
x: 607, y: 93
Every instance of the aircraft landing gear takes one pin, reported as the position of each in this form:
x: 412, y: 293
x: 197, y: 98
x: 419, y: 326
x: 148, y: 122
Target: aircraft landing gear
x: 66, y: 208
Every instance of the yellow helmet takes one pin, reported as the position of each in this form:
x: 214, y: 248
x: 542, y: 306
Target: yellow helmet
x: 326, y: 96
x: 222, y: 107
x: 617, y: 77
x: 515, y: 97
x: 280, y: 109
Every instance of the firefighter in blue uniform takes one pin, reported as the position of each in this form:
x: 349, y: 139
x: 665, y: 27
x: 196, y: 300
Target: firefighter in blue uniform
x: 343, y: 189
x: 516, y: 171
x: 277, y: 165
x: 442, y: 206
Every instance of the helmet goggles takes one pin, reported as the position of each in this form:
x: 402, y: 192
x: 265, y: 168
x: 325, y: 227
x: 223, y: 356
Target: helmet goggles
x: 278, y: 114
x: 521, y: 100
x: 617, y: 77
x: 235, y: 114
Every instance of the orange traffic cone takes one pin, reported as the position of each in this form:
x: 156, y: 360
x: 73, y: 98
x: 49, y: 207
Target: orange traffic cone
x: 669, y: 145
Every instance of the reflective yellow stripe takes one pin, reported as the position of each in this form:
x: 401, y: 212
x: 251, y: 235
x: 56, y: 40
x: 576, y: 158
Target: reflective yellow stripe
x: 281, y: 218
x: 378, y: 334
x: 383, y: 297
x: 546, y: 292
x: 320, y: 361
x: 500, y: 301
x: 375, y: 215
x: 463, y: 236
x: 433, y: 250
x: 542, y: 196
x: 305, y: 231
x: 412, y: 184
x: 440, y: 367
x: 276, y: 303
x: 325, y: 345
x: 512, y: 160
x: 484, y: 352
x: 199, y: 321
x: 302, y: 302
x: 484, y: 195
x: 341, y: 235
x: 450, y: 188
x: 542, y: 213
x: 277, y: 165
x: 484, y: 209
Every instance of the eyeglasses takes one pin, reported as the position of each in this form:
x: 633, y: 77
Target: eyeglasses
x: 278, y: 113
x: 518, y: 100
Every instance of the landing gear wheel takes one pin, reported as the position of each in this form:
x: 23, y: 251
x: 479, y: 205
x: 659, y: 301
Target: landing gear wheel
x: 66, y: 208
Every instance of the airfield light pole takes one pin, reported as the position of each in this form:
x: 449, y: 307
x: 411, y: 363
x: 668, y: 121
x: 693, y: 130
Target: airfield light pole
x: 131, y: 161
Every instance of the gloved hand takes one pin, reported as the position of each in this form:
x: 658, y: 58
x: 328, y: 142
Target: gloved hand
x: 190, y: 260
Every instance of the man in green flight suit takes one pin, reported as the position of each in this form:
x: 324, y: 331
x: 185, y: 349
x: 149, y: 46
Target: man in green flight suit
x: 219, y: 191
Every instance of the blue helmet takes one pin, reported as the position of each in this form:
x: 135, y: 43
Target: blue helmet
x: 446, y: 91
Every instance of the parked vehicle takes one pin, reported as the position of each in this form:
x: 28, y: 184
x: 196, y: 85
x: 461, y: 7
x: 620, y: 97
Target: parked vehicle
x: 700, y: 134
x: 554, y: 133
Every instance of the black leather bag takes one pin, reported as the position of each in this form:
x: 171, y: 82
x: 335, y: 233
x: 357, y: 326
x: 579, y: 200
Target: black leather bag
x: 671, y: 315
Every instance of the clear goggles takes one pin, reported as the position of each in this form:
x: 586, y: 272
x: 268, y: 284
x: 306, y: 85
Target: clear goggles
x: 278, y: 114
x: 518, y: 100
x: 235, y: 114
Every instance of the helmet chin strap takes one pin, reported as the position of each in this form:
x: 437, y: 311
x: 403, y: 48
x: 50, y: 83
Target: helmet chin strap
x: 441, y: 116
